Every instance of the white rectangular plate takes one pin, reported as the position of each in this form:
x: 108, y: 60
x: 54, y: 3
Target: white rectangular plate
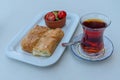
x: 14, y: 50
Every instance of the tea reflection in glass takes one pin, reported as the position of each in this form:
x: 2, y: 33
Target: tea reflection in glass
x: 93, y: 25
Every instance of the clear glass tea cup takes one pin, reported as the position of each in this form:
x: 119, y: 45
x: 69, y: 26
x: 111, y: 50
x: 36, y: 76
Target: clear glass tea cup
x: 94, y: 25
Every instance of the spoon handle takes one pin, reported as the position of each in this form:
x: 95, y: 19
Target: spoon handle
x: 70, y: 43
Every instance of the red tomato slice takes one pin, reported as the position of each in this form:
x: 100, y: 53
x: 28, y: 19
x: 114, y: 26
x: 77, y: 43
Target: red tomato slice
x: 61, y: 14
x: 50, y: 16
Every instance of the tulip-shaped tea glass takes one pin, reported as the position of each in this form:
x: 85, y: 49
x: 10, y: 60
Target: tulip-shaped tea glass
x: 93, y: 44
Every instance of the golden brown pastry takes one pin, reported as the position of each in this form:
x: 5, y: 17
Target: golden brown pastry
x: 32, y: 37
x: 48, y: 42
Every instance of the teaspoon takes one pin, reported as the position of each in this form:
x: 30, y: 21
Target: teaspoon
x: 70, y: 43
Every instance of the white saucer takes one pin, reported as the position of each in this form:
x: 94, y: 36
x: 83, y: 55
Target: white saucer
x: 79, y: 53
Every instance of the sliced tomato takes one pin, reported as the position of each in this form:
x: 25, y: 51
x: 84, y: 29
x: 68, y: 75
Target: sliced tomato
x: 61, y: 14
x: 50, y: 16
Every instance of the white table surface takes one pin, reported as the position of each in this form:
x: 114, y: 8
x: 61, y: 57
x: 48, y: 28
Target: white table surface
x: 17, y: 14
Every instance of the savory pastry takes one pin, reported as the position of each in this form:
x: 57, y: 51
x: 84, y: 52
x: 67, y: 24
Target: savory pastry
x: 48, y: 42
x: 32, y: 37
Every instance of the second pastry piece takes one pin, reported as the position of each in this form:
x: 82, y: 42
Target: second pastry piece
x: 48, y: 42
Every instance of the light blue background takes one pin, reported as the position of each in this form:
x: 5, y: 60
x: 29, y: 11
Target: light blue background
x: 17, y: 14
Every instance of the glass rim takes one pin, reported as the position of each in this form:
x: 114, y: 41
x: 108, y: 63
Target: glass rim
x: 92, y: 13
